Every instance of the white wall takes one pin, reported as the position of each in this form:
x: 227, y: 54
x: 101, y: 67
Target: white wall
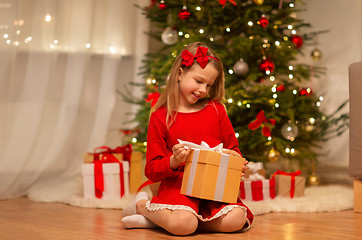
x: 341, y: 46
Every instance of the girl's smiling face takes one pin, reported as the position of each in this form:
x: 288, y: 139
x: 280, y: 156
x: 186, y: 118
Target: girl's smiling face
x: 195, y: 84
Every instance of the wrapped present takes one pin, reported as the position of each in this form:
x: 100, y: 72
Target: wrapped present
x: 254, y: 167
x: 122, y: 153
x: 211, y: 174
x: 257, y: 188
x: 106, y: 179
x: 289, y: 184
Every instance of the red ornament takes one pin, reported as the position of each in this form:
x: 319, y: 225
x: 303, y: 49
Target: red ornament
x: 263, y: 21
x: 305, y: 92
x: 266, y: 65
x: 153, y: 98
x: 297, y: 40
x: 183, y: 14
x: 280, y: 88
x: 162, y: 5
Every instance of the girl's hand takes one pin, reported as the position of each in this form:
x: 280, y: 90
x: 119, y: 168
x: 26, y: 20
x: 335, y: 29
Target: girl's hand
x: 234, y: 153
x: 179, y: 156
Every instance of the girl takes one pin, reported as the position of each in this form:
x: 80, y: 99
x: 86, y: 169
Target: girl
x: 190, y: 109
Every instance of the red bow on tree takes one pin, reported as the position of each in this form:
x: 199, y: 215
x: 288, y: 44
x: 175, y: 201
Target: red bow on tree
x: 222, y: 2
x: 201, y: 57
x: 261, y: 120
x: 153, y: 98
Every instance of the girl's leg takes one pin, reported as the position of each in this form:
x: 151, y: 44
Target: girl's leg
x: 177, y: 222
x: 230, y: 222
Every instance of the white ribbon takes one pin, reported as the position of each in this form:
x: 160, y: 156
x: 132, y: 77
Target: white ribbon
x: 255, y: 166
x: 204, y: 146
x: 255, y: 177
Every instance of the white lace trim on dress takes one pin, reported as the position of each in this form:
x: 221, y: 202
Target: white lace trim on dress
x: 158, y: 206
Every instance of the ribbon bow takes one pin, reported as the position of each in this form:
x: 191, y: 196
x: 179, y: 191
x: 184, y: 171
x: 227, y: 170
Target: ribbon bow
x: 292, y: 179
x: 222, y: 2
x: 203, y: 146
x: 261, y: 120
x: 201, y: 57
x: 153, y: 98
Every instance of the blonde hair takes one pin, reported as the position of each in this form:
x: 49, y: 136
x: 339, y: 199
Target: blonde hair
x: 170, y: 96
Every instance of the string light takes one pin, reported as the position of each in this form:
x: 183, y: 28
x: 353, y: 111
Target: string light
x: 230, y: 100
x: 236, y: 135
x: 239, y: 103
x: 295, y: 92
x: 48, y: 18
x: 290, y: 67
x: 112, y: 50
x: 275, y: 95
x: 291, y: 5
x: 276, y: 105
x: 180, y: 33
x: 272, y: 78
x: 291, y: 76
x: 290, y: 27
x: 187, y: 35
x: 269, y: 138
x: 321, y: 98
x: 145, y: 144
x: 201, y: 31
x: 134, y: 140
x: 228, y: 29
x: 6, y: 36
x: 318, y: 104
x: 248, y: 105
x: 88, y: 45
x: 250, y: 23
x: 294, y: 32
x: 211, y: 39
x: 312, y: 120
x: 231, y: 71
x: 198, y: 8
x: 277, y: 43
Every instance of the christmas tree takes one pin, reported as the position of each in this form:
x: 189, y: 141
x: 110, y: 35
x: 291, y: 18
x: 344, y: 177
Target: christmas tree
x: 274, y: 111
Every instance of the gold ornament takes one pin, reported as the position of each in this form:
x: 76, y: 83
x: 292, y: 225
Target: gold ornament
x: 313, y: 180
x: 316, y: 54
x: 259, y: 2
x: 273, y: 155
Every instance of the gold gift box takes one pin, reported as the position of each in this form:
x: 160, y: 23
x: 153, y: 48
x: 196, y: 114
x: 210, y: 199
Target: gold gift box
x: 212, y: 175
x: 136, y: 171
x: 283, y: 186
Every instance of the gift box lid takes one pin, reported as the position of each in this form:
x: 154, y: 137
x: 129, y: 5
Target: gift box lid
x: 213, y: 158
x: 108, y: 168
x: 260, y: 183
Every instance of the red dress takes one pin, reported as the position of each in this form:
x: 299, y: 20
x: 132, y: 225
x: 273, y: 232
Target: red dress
x: 211, y: 125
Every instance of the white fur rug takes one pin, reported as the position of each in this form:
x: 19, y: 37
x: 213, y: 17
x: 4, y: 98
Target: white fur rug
x: 317, y: 199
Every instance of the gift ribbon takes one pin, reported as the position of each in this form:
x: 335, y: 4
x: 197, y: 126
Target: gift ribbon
x: 257, y: 190
x: 126, y: 151
x: 98, y: 174
x: 292, y: 179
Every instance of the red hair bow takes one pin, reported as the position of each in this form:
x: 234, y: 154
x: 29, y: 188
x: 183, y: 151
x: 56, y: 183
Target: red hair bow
x: 201, y: 57
x: 260, y: 120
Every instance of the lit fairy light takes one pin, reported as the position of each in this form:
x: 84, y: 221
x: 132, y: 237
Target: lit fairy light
x: 250, y: 23
x: 239, y: 103
x: 285, y: 38
x: 145, y: 144
x: 236, y: 135
x: 291, y: 67
x: 227, y: 29
x: 311, y: 120
x: 230, y: 100
x: 17, y: 32
x: 294, y: 32
x: 88, y: 45
x: 274, y: 88
x: 56, y: 42
x: 287, y: 150
x: 16, y: 43
x: 290, y: 27
x: 248, y: 105
x: 112, y: 50
x: 292, y: 150
x: 8, y: 41
x: 231, y: 71
x: 211, y: 39
x: 321, y: 98
x: 148, y: 81
x: 323, y: 118
x: 48, y: 18
x: 187, y: 35
x: 318, y: 104
x: 269, y: 138
x: 180, y: 33
x: 291, y: 76
x: 201, y: 31
x: 272, y: 78
x: 276, y: 105
x: 275, y: 95
x: 267, y: 72
x: 154, y: 81
x: 295, y: 91
x: 134, y: 140
x: 291, y: 5
x: 6, y: 36
x: 198, y: 8
x: 277, y: 43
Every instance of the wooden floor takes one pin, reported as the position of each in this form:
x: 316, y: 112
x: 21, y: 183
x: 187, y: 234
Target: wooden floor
x: 23, y: 219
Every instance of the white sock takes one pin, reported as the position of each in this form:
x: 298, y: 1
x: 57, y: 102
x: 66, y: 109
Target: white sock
x: 137, y: 221
x: 131, y: 208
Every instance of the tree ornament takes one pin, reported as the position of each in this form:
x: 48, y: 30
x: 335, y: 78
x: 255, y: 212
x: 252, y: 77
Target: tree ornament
x: 305, y: 92
x: 273, y: 155
x: 313, y: 179
x: 169, y: 36
x: 240, y: 67
x: 289, y: 131
x: 263, y: 21
x: 266, y: 66
x: 184, y: 14
x: 259, y: 2
x: 297, y: 40
x: 162, y: 5
x: 316, y: 54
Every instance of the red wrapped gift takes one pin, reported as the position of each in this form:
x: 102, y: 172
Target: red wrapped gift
x: 257, y: 190
x: 106, y: 178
